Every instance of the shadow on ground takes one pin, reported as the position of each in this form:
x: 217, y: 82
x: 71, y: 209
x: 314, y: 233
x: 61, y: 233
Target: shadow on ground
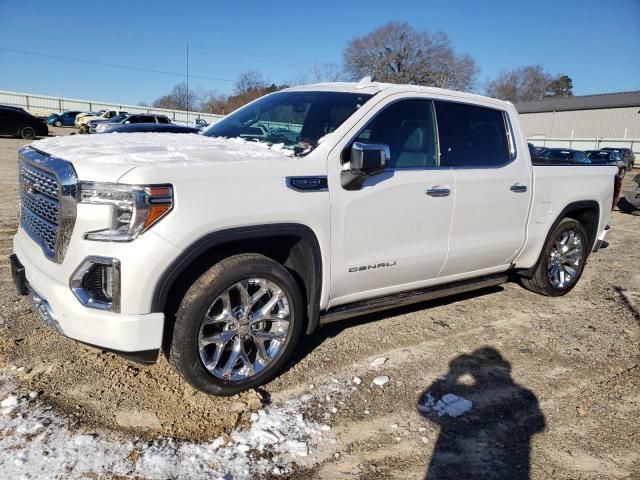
x: 490, y: 437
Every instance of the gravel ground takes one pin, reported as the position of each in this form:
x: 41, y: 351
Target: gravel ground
x: 554, y: 383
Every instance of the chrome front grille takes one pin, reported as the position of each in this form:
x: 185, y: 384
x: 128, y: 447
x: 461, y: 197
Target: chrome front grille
x: 48, y: 188
x: 44, y: 181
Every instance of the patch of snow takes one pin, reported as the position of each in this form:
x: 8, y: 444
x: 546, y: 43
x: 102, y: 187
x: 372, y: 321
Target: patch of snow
x: 157, y: 149
x: 378, y: 362
x: 381, y: 380
x: 357, y: 380
x: 43, y: 445
x: 394, y: 426
x: 10, y: 401
x: 425, y: 440
x: 450, y: 404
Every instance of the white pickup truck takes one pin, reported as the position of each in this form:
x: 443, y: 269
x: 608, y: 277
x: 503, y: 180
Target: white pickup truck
x: 307, y: 206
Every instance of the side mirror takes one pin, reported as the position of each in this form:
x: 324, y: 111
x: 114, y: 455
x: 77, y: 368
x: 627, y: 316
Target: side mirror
x: 621, y: 164
x: 369, y: 158
x: 366, y: 159
x: 127, y: 122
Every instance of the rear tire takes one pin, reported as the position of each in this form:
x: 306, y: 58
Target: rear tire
x: 219, y: 315
x: 562, y: 260
x: 28, y: 133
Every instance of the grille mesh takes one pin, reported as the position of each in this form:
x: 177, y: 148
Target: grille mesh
x: 42, y: 181
x: 39, y: 212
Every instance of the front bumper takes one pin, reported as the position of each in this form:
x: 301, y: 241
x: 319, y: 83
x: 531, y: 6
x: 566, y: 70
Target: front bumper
x: 61, y: 310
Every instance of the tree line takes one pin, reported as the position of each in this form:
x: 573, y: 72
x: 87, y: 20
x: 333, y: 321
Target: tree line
x: 394, y: 53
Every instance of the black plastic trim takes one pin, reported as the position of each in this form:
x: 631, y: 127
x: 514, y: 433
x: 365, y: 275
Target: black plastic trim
x: 143, y: 357
x: 388, y: 302
x: 218, y: 238
x: 572, y: 207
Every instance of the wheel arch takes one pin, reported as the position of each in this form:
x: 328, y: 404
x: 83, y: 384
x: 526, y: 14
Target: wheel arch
x: 295, y: 246
x: 587, y: 212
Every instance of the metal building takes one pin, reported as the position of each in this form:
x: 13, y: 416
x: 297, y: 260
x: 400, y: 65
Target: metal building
x: 583, y: 122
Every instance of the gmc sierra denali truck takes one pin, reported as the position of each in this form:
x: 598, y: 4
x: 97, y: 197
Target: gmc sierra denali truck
x: 306, y: 206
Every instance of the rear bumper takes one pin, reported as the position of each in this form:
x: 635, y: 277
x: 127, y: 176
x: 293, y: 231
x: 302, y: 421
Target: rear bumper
x: 61, y: 311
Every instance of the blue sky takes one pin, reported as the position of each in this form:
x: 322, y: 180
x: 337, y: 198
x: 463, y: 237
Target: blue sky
x: 597, y: 43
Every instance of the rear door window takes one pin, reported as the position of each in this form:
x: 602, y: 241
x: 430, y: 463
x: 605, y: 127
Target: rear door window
x: 472, y: 136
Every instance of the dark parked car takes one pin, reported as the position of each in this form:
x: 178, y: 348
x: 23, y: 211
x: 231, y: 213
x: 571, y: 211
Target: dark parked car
x: 152, y: 127
x: 627, y: 155
x: 563, y: 155
x: 16, y: 122
x: 65, y: 119
x: 604, y: 156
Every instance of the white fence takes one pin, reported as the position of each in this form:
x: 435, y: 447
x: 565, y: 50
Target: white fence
x: 587, y: 143
x: 44, y: 105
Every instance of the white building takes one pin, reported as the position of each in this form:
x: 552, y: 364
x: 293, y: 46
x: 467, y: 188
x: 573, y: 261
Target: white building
x: 584, y: 122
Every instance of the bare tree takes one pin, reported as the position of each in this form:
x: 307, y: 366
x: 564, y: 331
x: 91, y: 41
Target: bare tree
x: 178, y: 99
x: 249, y: 81
x: 319, y: 73
x: 398, y: 53
x: 529, y: 83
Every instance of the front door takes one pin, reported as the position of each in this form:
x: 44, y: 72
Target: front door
x: 392, y: 234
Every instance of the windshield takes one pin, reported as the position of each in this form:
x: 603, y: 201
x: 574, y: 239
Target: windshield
x: 295, y: 119
x: 598, y: 155
x: 117, y: 118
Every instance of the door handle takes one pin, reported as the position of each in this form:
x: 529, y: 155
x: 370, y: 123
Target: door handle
x: 518, y: 188
x: 438, y: 191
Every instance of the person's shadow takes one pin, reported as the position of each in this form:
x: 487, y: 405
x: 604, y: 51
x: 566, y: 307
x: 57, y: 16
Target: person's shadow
x: 488, y: 438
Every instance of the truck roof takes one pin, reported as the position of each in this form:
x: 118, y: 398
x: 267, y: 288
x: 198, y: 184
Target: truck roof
x: 367, y: 86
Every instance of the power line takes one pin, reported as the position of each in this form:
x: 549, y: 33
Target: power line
x: 255, y: 56
x: 111, y: 65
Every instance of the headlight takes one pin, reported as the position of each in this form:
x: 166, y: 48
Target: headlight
x: 135, y: 208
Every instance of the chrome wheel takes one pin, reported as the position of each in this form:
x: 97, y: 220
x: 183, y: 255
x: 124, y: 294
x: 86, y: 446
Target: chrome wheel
x: 244, y: 329
x: 565, y: 260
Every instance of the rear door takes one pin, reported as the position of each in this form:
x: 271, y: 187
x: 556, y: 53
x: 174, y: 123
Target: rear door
x: 493, y: 182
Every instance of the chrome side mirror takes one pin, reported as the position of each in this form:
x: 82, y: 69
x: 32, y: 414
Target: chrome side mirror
x: 368, y: 158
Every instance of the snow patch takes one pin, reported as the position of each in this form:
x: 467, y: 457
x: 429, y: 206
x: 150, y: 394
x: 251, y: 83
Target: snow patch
x: 381, y: 380
x: 42, y: 441
x: 157, y: 149
x: 450, y: 404
x: 378, y: 362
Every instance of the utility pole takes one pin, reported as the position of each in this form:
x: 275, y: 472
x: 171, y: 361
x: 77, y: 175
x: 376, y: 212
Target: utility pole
x: 188, y: 83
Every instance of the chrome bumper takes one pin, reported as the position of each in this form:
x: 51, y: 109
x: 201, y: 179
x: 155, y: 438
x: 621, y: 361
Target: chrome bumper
x: 47, y: 314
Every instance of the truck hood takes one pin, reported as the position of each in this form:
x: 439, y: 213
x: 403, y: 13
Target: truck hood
x: 107, y: 157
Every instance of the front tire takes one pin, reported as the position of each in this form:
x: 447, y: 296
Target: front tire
x: 237, y: 325
x: 28, y: 133
x: 57, y: 123
x: 562, y: 261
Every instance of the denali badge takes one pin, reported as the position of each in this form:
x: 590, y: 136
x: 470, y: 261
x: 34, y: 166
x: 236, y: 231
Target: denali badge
x: 372, y: 267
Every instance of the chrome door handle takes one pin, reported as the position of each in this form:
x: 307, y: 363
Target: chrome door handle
x: 518, y: 188
x: 438, y: 191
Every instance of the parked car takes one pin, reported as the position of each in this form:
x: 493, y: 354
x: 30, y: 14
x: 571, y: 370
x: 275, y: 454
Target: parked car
x: 80, y: 116
x: 151, y: 127
x: 16, y: 122
x: 65, y: 119
x: 627, y: 155
x: 82, y: 122
x: 563, y: 155
x: 127, y: 119
x: 227, y: 251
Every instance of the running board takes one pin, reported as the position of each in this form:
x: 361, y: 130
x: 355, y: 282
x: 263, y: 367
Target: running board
x: 363, y: 307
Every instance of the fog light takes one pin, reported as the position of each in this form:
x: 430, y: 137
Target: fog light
x: 96, y: 283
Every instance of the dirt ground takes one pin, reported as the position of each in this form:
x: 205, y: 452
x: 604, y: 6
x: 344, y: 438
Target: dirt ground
x: 555, y: 382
